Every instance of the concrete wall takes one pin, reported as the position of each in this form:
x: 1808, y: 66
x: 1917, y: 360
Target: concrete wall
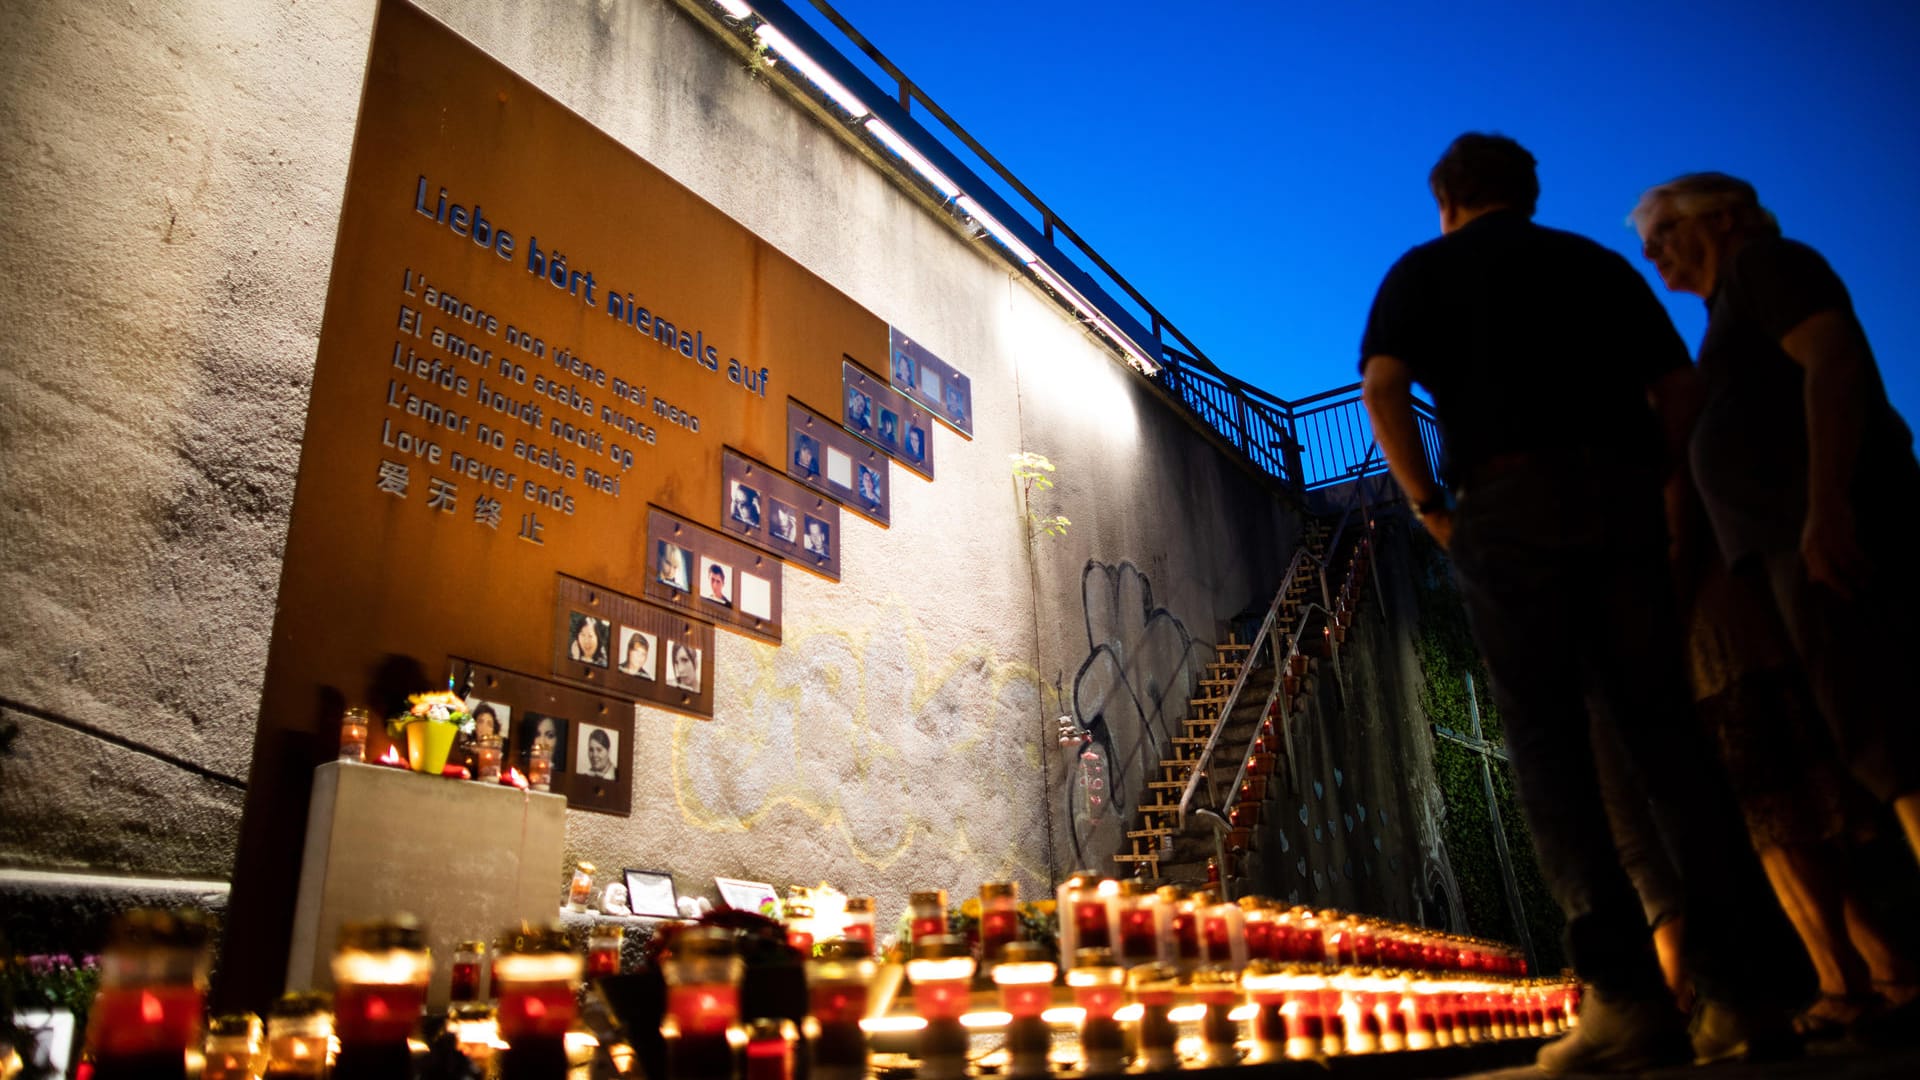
x: 171, y: 175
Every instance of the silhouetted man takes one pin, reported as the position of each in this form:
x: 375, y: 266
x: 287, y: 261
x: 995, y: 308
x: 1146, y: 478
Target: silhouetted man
x: 1552, y: 367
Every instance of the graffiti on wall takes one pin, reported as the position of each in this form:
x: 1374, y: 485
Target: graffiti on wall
x: 845, y: 741
x: 1128, y: 699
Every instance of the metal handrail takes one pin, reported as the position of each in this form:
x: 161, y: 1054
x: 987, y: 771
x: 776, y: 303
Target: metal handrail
x: 1203, y: 765
x: 1204, y: 762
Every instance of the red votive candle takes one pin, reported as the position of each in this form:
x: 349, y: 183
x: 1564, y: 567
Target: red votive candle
x: 1099, y: 987
x: 1154, y: 986
x: 999, y: 917
x: 1024, y: 976
x: 702, y: 971
x: 769, y: 1050
x: 927, y: 910
x: 603, y: 950
x: 465, y: 985
x: 380, y: 973
x: 1143, y: 924
x: 860, y: 911
x: 153, y: 978
x: 942, y: 974
x: 1183, y: 926
x: 838, y: 980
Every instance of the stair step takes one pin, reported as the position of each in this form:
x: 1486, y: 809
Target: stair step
x: 1232, y: 646
x: 1166, y: 785
x: 1185, y: 740
x: 1142, y: 834
x: 1155, y: 859
x: 1217, y: 682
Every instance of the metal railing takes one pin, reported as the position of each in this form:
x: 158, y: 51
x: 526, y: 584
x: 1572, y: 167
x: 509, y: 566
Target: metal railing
x: 1308, y: 444
x: 1312, y: 443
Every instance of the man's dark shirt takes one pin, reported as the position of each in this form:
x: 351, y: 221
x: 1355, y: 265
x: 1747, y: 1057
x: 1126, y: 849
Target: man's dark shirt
x: 1749, y: 450
x: 1530, y: 339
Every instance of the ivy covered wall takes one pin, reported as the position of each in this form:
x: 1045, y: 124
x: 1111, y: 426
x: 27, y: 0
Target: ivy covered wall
x: 1446, y: 650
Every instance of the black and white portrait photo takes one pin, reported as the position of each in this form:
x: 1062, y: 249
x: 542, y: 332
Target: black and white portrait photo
x: 889, y: 428
x: 786, y: 523
x: 683, y: 667
x: 636, y: 653
x: 903, y: 369
x: 674, y: 567
x: 806, y: 456
x: 859, y: 411
x: 916, y: 444
x: 869, y: 487
x: 543, y: 730
x: 716, y: 582
x: 490, y: 719
x: 588, y: 639
x: 819, y: 539
x: 599, y: 753
x: 746, y: 505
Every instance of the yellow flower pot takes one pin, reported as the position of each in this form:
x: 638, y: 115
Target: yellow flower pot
x: 428, y: 743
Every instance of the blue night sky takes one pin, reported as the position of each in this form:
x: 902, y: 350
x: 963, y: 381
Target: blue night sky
x: 1255, y: 168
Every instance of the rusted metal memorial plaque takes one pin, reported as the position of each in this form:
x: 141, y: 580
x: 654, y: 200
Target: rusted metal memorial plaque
x: 531, y: 337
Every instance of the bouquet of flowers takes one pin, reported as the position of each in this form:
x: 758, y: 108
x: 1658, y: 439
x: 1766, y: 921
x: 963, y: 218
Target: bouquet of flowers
x: 440, y: 707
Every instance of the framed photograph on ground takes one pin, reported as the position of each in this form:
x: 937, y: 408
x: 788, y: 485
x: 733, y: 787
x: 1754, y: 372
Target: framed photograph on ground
x: 755, y: 896
x: 650, y: 894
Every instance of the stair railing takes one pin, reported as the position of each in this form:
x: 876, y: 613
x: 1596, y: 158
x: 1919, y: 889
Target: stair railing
x: 1292, y: 650
x: 1203, y: 765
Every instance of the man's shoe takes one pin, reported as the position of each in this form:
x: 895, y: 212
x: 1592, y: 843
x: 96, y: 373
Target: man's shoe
x: 1619, y: 1035
x: 1723, y: 1032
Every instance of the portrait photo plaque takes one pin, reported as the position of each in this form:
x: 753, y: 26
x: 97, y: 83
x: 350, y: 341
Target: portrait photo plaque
x: 654, y: 655
x: 589, y: 734
x: 887, y: 418
x: 788, y: 505
x: 721, y: 573
x: 945, y: 391
x: 830, y: 460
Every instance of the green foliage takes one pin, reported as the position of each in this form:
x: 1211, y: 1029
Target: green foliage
x: 1033, y: 472
x: 1446, y: 651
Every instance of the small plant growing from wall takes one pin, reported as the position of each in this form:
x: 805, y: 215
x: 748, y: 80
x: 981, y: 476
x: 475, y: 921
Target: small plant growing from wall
x: 1033, y: 472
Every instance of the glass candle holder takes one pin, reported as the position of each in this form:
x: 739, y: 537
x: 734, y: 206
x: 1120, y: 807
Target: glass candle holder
x: 380, y: 974
x: 1085, y: 908
x: 1222, y: 932
x: 1183, y: 927
x: 839, y: 982
x: 1146, y: 927
x: 299, y: 1036
x: 1287, y: 1020
x: 153, y: 980
x: 1216, y: 987
x: 799, y: 923
x: 927, y: 914
x: 769, y: 1050
x: 536, y: 973
x: 1300, y: 936
x: 1099, y: 988
x: 353, y: 734
x: 540, y: 766
x: 474, y: 1029
x: 469, y: 957
x: 860, y: 912
x: 942, y: 975
x: 703, y: 971
x: 1024, y: 976
x: 603, y: 950
x: 1155, y: 987
x: 1357, y: 1020
x: 580, y: 887
x: 486, y: 759
x: 999, y: 917
x: 235, y: 1048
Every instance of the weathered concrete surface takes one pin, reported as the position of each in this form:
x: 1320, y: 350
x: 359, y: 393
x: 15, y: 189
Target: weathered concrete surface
x: 173, y: 180
x: 73, y: 801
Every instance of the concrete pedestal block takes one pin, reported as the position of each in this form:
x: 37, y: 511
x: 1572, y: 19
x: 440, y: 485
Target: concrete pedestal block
x: 467, y: 859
